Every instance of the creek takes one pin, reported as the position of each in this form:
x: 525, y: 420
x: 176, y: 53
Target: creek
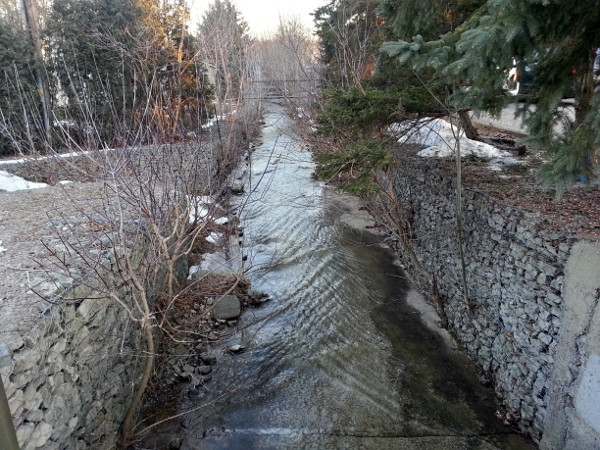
x: 336, y: 358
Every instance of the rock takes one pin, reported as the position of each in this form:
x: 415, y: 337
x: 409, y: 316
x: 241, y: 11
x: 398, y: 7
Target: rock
x: 186, y: 376
x: 209, y: 359
x: 5, y: 356
x: 178, y: 370
x: 26, y: 360
x: 14, y: 341
x: 25, y: 431
x: 40, y: 435
x: 236, y: 348
x: 228, y: 307
x: 88, y: 308
x: 542, y: 278
x: 34, y: 416
x: 546, y: 339
x: 204, y: 370
x: 237, y: 188
x: 200, y: 347
x: 181, y: 350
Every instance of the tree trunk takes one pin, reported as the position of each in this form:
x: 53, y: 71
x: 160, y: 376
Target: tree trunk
x: 467, y: 124
x: 459, y: 223
x: 31, y: 21
x: 127, y: 427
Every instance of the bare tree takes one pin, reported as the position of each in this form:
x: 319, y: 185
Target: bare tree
x: 40, y: 75
x: 289, y: 59
x: 224, y: 43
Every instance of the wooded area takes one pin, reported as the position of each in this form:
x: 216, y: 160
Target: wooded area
x: 408, y: 58
x: 98, y: 73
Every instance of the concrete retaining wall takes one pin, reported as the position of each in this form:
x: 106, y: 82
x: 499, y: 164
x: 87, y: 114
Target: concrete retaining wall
x: 516, y: 281
x: 574, y: 406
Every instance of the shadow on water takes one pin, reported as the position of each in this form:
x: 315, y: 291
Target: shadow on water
x: 337, y: 358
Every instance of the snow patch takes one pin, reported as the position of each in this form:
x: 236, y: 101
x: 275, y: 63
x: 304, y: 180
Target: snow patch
x: 202, y: 209
x: 213, y: 121
x: 199, y: 208
x: 440, y: 141
x: 11, y: 183
x: 213, y: 237
x: 192, y: 271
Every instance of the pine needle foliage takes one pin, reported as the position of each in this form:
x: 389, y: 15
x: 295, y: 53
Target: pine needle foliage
x: 356, y: 169
x: 556, y: 43
x: 355, y: 114
x: 415, y: 93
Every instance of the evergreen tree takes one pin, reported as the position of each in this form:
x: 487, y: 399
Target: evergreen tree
x: 356, y: 115
x: 20, y: 106
x: 89, y: 42
x: 557, y: 42
x: 428, y: 18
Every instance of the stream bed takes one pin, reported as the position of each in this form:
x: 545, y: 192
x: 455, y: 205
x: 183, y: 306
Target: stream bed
x: 336, y: 359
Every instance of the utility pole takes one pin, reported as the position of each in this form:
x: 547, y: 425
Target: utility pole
x: 8, y: 436
x: 31, y: 22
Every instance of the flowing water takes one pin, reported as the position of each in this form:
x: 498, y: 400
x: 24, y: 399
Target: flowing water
x: 336, y: 358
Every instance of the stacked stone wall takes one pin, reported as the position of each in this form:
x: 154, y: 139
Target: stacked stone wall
x: 70, y: 376
x: 515, y: 276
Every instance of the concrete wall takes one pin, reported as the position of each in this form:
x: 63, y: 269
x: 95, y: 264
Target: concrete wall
x: 574, y: 406
x: 516, y: 271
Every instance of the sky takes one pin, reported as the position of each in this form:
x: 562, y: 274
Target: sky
x: 262, y: 16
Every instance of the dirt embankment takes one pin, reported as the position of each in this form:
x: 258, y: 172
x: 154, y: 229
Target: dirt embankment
x: 575, y: 212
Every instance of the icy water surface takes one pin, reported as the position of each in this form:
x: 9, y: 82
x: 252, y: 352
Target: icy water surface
x: 336, y: 359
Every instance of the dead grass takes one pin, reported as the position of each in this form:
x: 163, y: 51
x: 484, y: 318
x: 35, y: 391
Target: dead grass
x: 576, y: 213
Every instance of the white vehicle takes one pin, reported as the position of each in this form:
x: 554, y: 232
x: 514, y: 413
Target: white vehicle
x: 511, y: 82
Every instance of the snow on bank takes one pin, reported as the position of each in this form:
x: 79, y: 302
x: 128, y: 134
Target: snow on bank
x: 440, y: 142
x: 213, y: 237
x: 203, y: 209
x: 11, y: 183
